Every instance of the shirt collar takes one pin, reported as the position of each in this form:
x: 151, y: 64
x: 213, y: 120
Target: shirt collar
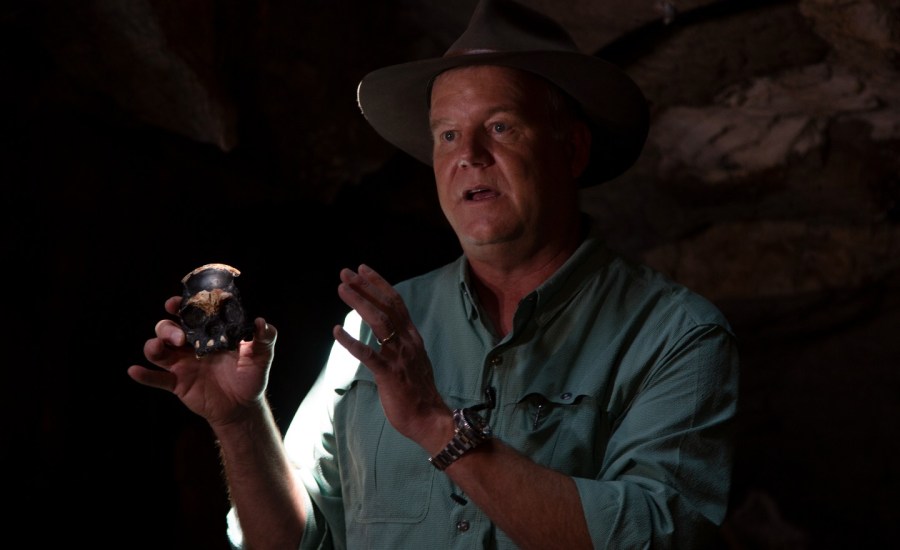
x: 563, y: 286
x: 546, y: 299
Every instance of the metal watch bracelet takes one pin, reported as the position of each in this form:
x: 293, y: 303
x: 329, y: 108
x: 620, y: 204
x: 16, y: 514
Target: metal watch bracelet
x: 468, y: 435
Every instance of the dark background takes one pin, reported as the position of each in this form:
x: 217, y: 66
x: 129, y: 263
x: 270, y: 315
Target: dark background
x: 143, y: 139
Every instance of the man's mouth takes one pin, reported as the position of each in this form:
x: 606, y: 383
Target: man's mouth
x: 480, y: 194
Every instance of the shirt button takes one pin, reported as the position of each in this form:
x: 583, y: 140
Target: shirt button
x: 566, y: 396
x: 497, y: 360
x: 462, y: 526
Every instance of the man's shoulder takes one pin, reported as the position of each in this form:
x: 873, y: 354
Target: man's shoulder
x: 650, y: 285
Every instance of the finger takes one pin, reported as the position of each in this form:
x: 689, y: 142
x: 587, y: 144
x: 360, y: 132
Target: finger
x: 173, y: 304
x: 374, y: 279
x: 170, y: 332
x: 370, y: 285
x: 391, y: 297
x: 159, y: 353
x: 264, y: 335
x: 360, y: 285
x: 264, y: 332
x: 355, y: 294
x: 153, y: 378
x: 365, y: 354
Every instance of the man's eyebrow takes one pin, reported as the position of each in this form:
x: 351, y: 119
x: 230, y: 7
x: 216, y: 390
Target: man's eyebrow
x: 434, y: 123
x: 500, y: 109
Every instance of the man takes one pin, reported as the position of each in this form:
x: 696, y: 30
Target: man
x: 539, y: 392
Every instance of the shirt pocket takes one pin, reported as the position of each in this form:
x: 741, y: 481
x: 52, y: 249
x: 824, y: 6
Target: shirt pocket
x: 563, y: 431
x: 388, y: 476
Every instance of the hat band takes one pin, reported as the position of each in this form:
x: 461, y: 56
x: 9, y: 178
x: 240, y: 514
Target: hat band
x: 472, y: 51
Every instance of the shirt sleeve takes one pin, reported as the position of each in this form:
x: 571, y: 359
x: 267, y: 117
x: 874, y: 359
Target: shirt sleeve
x: 668, y: 461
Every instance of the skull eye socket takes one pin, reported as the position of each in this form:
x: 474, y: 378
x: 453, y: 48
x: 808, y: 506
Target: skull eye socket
x: 232, y: 310
x: 193, y: 316
x: 214, y: 326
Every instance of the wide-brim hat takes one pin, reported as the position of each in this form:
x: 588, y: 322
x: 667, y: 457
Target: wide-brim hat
x: 395, y: 99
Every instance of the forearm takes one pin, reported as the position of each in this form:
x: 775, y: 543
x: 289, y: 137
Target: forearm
x: 534, y: 505
x: 261, y: 485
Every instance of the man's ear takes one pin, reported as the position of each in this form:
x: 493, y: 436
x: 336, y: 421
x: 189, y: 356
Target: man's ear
x: 579, y: 148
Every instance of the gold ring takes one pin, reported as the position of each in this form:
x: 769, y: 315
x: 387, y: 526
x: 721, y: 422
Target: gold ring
x: 387, y: 339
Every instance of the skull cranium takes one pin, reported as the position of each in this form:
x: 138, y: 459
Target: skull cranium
x: 212, y: 315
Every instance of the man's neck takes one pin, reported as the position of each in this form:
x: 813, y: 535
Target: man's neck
x: 502, y: 277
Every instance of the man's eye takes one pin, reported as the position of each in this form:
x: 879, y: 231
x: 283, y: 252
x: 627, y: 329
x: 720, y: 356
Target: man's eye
x: 500, y: 127
x: 448, y: 136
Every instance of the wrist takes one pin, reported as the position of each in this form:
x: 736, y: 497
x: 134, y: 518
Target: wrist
x: 243, y: 421
x: 440, y: 432
x: 469, y: 432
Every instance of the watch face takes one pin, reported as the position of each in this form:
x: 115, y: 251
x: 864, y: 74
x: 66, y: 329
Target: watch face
x: 477, y: 422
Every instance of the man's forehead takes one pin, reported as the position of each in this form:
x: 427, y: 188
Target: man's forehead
x: 496, y: 71
x: 516, y: 85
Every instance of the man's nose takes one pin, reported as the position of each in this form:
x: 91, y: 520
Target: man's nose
x: 473, y: 151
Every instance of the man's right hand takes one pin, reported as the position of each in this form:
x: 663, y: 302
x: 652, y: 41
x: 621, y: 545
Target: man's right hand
x: 220, y: 386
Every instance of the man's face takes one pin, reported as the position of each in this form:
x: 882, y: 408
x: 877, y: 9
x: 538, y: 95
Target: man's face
x: 501, y: 172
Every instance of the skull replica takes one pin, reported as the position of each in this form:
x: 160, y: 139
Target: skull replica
x: 211, y: 313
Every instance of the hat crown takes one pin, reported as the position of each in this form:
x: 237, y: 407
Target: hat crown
x: 503, y: 26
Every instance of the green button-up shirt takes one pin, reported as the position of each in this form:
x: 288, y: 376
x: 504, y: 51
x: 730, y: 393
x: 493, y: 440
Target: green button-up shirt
x: 612, y: 374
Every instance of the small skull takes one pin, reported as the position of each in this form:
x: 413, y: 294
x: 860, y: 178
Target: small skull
x: 211, y: 313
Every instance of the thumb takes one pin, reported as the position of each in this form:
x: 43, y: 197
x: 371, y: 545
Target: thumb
x: 264, y: 334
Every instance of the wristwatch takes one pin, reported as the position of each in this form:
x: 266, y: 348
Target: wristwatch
x: 471, y: 431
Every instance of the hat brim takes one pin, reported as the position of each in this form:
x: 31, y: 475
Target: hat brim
x: 395, y: 100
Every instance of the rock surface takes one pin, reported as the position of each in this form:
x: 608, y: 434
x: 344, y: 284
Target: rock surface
x: 770, y: 183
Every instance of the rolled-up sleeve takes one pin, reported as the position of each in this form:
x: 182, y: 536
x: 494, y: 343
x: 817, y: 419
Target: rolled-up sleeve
x: 666, y: 472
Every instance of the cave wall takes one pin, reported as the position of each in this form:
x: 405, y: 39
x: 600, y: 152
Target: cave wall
x: 144, y: 138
